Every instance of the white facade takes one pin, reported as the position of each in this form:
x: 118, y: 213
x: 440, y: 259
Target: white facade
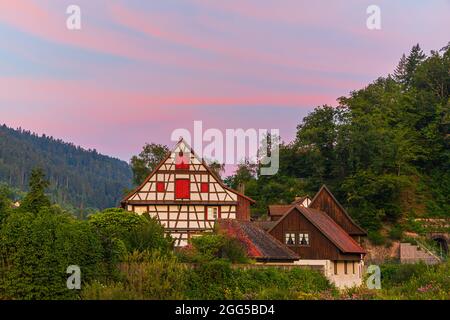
x: 207, y: 200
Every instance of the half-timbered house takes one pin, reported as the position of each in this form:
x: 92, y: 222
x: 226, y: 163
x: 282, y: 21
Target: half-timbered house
x: 186, y: 196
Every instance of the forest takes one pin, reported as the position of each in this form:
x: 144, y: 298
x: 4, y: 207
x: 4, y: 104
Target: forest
x: 125, y: 256
x: 80, y: 179
x: 384, y: 150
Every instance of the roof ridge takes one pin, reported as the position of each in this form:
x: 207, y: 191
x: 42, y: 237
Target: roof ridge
x: 324, y: 187
x: 337, y: 225
x: 281, y: 244
x: 202, y: 160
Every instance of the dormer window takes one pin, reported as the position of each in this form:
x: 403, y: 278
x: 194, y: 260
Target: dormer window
x: 181, y: 161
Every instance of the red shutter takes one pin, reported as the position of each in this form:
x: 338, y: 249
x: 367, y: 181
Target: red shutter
x: 204, y: 187
x: 160, y: 187
x: 181, y: 162
x: 182, y: 189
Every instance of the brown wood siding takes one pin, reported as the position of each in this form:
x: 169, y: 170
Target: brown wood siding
x: 319, y: 248
x: 243, y: 209
x: 326, y: 203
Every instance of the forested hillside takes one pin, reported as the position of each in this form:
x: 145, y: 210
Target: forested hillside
x: 78, y: 178
x: 384, y: 150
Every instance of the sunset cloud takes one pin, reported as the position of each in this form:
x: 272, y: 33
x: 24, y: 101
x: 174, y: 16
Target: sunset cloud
x: 139, y: 69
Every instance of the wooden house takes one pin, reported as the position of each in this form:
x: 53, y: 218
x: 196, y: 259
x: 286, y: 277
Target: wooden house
x: 320, y: 231
x: 186, y: 196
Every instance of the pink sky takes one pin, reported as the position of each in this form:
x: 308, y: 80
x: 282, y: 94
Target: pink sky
x: 137, y: 70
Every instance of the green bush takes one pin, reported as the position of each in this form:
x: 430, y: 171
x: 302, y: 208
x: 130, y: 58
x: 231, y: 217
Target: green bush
x: 154, y: 275
x: 148, y: 236
x: 219, y: 280
x: 397, y: 274
x: 121, y: 231
x: 143, y: 275
x: 396, y: 232
x: 376, y: 238
x: 215, y: 246
x: 110, y: 291
x: 37, y: 249
x: 211, y: 280
x: 416, y: 281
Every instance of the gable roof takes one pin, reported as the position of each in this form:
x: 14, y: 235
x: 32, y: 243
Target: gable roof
x: 208, y: 169
x: 259, y: 244
x: 329, y: 228
x: 265, y: 225
x: 278, y: 209
x: 324, y: 188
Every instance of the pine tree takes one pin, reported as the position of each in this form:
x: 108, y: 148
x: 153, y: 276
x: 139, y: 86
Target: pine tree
x: 400, y: 71
x: 36, y: 199
x: 415, y: 58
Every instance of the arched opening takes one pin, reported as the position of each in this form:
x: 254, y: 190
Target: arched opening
x: 442, y: 245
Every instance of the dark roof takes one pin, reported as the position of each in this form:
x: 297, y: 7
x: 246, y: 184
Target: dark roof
x: 279, y: 209
x: 265, y: 225
x: 259, y: 244
x: 329, y: 229
x: 325, y: 188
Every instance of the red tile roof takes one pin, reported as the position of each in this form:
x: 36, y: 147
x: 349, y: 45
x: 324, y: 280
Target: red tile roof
x: 259, y: 244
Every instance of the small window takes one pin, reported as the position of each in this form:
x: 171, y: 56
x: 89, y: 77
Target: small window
x: 204, y: 187
x: 182, y: 189
x: 290, y: 238
x: 335, y: 264
x: 345, y: 267
x: 303, y: 239
x: 160, y: 187
x: 353, y: 266
x: 212, y: 213
x: 181, y: 161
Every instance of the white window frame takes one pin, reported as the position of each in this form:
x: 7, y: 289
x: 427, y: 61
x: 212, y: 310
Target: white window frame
x: 210, y: 213
x: 287, y: 236
x: 300, y: 237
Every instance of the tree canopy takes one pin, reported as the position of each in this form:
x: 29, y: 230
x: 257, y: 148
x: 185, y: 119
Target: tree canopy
x: 383, y: 150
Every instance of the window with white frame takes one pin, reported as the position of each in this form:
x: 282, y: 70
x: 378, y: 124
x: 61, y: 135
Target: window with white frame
x: 290, y: 238
x: 303, y: 239
x: 212, y: 213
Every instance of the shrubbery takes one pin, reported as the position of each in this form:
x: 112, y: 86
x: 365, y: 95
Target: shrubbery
x: 416, y: 281
x: 121, y: 232
x: 214, y: 246
x: 219, y: 280
x: 36, y: 250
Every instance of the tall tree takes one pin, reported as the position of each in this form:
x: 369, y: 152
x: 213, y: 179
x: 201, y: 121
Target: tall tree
x: 414, y: 59
x: 5, y: 202
x: 245, y: 172
x: 400, y: 71
x: 144, y: 163
x: 36, y: 199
